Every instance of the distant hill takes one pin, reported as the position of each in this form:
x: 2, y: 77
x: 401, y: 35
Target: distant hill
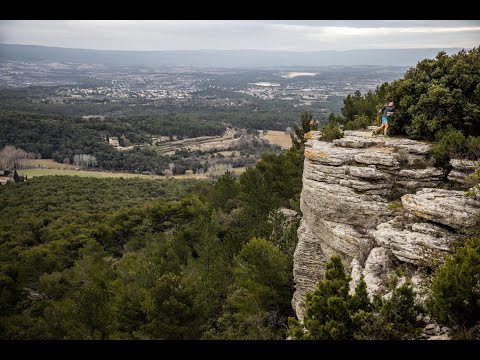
x: 220, y: 58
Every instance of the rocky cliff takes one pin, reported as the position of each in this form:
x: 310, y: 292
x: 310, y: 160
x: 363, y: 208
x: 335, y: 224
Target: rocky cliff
x: 380, y: 205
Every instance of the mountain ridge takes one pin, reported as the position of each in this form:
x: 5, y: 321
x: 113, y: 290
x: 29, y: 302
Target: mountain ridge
x: 221, y: 58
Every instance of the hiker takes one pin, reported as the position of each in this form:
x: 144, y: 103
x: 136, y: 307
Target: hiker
x: 388, y: 111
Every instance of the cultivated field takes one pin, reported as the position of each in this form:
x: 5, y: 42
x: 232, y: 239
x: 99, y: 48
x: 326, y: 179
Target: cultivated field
x: 278, y: 138
x: 205, y: 143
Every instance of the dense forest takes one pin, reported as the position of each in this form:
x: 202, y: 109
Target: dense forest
x: 85, y: 258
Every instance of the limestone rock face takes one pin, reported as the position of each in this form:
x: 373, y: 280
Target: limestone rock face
x: 421, y: 245
x: 447, y: 207
x: 377, y: 267
x: 341, y: 203
x: 348, y: 185
x: 308, y: 266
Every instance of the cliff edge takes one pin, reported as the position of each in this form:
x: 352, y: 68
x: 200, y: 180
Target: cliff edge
x: 380, y: 205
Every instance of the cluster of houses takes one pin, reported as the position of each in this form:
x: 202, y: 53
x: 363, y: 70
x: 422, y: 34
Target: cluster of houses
x: 7, y: 176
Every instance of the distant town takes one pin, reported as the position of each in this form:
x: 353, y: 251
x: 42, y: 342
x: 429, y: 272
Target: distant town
x: 320, y: 89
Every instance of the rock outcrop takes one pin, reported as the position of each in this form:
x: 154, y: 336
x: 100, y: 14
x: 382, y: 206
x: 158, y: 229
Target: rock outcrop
x: 377, y: 205
x: 417, y: 243
x: 461, y: 169
x: 447, y: 207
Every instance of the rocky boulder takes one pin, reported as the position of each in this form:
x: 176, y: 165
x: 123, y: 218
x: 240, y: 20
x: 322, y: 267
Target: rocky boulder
x: 447, y: 207
x: 421, y: 244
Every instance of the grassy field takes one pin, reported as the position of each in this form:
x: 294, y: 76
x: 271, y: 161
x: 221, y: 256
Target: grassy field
x: 82, y: 173
x: 101, y: 174
x: 47, y: 164
x: 278, y: 138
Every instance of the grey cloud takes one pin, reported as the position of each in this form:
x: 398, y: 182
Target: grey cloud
x: 298, y: 35
x: 378, y: 23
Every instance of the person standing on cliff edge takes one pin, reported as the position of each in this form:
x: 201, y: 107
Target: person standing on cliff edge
x: 388, y: 111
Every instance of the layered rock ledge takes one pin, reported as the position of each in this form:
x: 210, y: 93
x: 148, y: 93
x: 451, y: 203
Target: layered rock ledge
x: 378, y: 205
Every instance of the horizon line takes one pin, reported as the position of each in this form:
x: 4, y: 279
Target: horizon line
x: 265, y: 50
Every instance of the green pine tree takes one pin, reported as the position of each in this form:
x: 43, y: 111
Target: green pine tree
x: 456, y: 287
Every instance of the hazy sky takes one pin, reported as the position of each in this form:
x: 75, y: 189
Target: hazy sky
x: 297, y: 35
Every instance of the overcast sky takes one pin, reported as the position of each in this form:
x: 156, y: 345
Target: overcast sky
x: 296, y: 35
